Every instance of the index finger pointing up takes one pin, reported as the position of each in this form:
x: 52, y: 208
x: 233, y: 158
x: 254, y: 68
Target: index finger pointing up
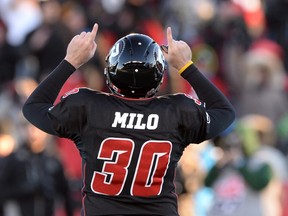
x: 94, y: 31
x: 169, y: 37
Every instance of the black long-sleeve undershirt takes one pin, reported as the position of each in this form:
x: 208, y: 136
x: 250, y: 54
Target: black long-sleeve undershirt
x: 218, y: 107
x: 36, y: 107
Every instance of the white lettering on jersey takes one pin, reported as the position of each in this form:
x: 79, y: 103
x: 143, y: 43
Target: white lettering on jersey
x: 139, y: 124
x: 208, y: 118
x: 135, y: 121
x: 152, y: 121
x: 120, y: 119
x: 131, y: 120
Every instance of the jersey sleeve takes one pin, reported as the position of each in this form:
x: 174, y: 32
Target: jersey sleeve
x: 220, y: 111
x: 36, y: 108
x: 193, y: 119
x: 69, y: 116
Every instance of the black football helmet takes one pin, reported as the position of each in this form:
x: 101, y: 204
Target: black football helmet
x: 135, y: 67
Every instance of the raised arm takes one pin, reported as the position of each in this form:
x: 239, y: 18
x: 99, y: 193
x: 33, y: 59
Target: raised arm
x: 220, y: 110
x: 80, y: 50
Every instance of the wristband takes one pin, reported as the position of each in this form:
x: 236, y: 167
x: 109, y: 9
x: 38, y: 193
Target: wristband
x: 185, y: 66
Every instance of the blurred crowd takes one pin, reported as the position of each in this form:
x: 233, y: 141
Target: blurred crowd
x: 240, y: 45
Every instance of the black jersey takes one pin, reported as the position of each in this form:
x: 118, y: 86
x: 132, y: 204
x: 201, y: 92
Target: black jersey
x: 130, y: 148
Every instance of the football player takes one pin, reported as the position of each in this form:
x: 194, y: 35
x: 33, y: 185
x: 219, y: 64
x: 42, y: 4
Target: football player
x: 130, y: 140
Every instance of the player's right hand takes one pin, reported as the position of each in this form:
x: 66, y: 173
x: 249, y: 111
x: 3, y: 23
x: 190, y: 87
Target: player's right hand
x: 82, y: 47
x: 179, y: 53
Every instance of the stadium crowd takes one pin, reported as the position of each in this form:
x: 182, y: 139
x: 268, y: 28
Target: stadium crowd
x: 240, y: 45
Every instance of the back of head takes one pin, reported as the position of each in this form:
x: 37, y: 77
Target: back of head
x: 135, y: 67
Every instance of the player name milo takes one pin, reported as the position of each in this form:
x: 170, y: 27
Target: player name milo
x: 135, y: 121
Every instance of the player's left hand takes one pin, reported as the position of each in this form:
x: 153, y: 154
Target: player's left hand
x: 179, y: 52
x: 82, y: 47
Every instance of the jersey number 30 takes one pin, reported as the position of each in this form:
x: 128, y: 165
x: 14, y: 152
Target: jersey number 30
x: 150, y: 170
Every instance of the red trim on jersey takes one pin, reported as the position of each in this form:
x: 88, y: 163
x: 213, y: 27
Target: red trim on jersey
x: 196, y: 100
x: 73, y: 91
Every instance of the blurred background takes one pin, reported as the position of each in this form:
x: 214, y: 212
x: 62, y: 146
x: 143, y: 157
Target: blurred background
x: 240, y: 45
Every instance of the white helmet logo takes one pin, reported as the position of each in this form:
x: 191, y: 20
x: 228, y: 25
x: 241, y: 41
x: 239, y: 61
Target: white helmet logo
x: 115, y: 50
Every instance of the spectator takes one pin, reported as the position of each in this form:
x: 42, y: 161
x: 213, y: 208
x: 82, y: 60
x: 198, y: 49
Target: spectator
x: 277, y: 23
x: 34, y: 179
x: 259, y: 138
x: 237, y: 179
x: 8, y: 58
x: 45, y: 44
x: 260, y: 81
x: 21, y: 17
